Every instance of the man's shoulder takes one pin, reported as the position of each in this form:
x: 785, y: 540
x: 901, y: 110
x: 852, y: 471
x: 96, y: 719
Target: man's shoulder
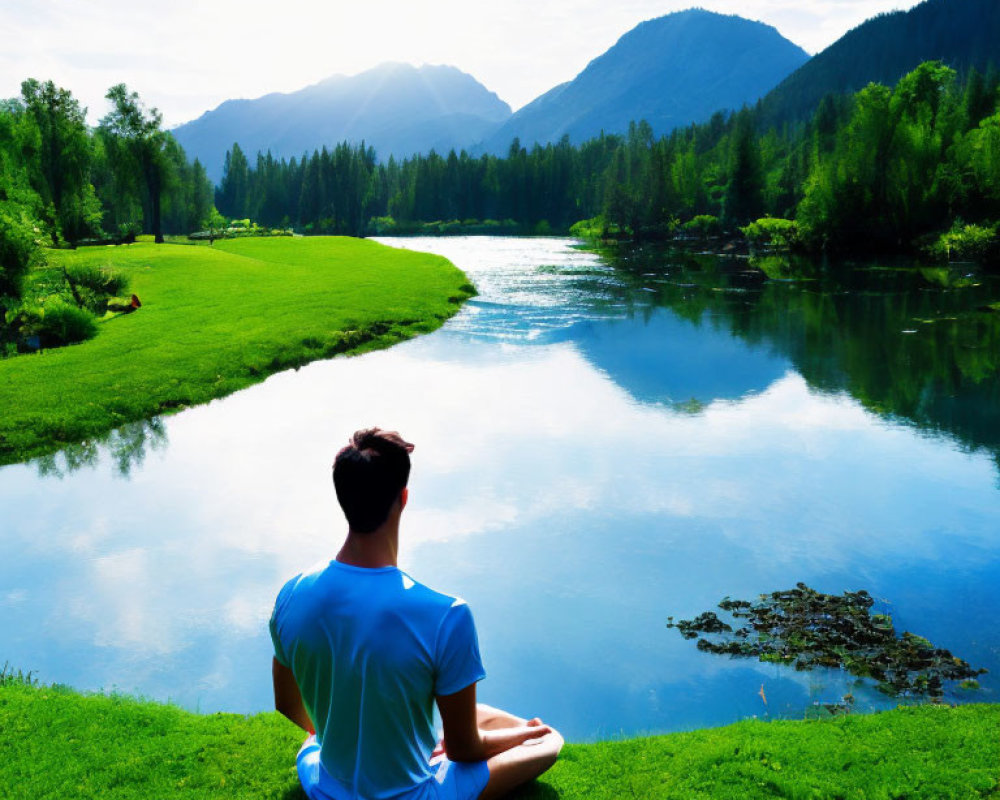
x: 425, y: 595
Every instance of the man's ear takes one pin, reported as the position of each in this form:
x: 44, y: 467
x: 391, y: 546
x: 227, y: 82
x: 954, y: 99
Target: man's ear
x: 404, y: 496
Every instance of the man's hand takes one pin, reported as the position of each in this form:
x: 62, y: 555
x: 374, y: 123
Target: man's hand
x: 503, y: 739
x: 463, y: 738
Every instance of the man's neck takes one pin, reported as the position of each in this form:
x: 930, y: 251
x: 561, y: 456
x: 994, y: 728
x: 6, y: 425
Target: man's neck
x: 372, y: 550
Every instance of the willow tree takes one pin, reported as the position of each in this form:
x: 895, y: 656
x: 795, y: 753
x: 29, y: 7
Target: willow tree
x: 137, y: 143
x: 59, y: 162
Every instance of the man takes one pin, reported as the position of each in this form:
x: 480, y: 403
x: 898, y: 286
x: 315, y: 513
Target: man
x: 363, y: 651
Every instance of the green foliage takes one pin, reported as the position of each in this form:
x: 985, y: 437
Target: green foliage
x: 773, y: 233
x: 382, y: 226
x: 55, y: 323
x: 597, y: 229
x: 967, y: 243
x: 9, y: 676
x: 874, y: 170
x: 146, y: 174
x: 19, y: 247
x: 964, y: 34
x: 215, y: 320
x: 59, y: 160
x: 703, y: 226
x: 91, y: 285
x: 62, y: 744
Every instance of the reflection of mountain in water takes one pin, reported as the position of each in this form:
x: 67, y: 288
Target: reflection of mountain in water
x: 660, y: 358
x: 916, y: 345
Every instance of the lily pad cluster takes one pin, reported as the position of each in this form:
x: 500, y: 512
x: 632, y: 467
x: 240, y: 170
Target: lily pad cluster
x: 807, y: 629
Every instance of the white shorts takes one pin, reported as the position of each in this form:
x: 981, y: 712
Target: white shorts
x: 453, y: 780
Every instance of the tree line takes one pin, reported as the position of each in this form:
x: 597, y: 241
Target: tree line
x: 63, y: 183
x: 874, y: 169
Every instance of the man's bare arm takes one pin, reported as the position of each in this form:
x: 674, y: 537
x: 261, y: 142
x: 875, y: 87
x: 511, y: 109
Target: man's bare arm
x: 464, y: 741
x: 287, y: 698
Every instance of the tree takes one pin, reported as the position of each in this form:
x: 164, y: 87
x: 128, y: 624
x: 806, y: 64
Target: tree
x: 138, y: 141
x: 743, y: 197
x: 233, y: 192
x: 19, y: 207
x: 60, y: 170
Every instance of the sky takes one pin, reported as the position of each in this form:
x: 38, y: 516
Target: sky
x: 187, y: 56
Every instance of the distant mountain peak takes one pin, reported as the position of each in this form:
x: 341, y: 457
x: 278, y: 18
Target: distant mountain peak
x: 398, y: 108
x: 671, y: 71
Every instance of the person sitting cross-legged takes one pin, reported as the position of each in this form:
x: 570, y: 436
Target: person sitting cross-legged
x: 362, y: 652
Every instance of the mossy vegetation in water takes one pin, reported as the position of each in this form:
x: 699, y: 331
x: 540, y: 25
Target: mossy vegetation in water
x: 807, y: 629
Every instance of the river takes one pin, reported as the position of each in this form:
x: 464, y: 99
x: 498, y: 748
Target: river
x: 602, y: 441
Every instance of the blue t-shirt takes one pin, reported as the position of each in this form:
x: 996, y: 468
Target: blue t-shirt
x: 370, y: 649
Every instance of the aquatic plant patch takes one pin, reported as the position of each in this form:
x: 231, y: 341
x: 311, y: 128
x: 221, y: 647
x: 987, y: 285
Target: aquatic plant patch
x: 806, y: 629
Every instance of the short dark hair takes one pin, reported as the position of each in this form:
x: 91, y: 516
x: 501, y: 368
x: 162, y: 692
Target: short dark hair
x: 369, y: 475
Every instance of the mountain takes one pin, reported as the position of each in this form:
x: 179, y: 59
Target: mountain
x: 670, y: 71
x: 961, y: 33
x: 396, y: 108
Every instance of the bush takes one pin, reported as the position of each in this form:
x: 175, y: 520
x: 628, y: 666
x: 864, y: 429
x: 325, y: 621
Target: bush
x: 56, y: 323
x: 773, y: 232
x: 19, y: 248
x: 94, y: 285
x: 967, y: 243
x: 703, y: 226
x: 381, y: 226
x: 595, y: 228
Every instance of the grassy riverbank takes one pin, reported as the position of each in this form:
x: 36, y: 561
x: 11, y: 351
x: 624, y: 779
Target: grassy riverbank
x: 215, y: 320
x: 60, y: 744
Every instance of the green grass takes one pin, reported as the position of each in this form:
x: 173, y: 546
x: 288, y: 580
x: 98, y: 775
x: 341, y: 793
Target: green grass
x: 60, y: 744
x: 215, y: 320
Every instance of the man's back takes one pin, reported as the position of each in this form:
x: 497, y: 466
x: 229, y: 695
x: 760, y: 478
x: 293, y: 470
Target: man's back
x: 370, y: 648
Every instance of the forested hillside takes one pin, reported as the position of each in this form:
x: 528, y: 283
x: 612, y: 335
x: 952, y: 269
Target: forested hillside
x: 961, y: 33
x: 872, y: 171
x: 670, y: 71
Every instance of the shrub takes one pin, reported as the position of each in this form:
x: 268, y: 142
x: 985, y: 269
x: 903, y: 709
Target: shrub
x: 380, y: 226
x: 19, y: 248
x: 702, y: 226
x: 94, y: 285
x: 55, y: 323
x: 773, y: 232
x: 967, y: 243
x: 594, y: 228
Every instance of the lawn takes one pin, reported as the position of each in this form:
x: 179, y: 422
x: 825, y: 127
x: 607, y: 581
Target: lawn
x: 215, y: 320
x: 55, y: 743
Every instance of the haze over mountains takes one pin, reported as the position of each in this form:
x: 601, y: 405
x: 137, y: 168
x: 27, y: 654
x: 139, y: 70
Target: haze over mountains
x: 396, y: 108
x: 670, y: 71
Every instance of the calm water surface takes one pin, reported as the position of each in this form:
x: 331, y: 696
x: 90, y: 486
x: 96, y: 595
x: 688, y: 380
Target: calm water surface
x: 601, y: 442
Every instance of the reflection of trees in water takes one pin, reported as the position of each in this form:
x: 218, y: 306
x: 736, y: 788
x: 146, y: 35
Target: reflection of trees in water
x: 917, y: 345
x: 127, y: 446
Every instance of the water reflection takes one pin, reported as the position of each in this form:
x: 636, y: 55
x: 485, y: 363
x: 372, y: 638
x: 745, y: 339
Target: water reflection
x: 916, y: 344
x: 565, y: 491
x: 125, y: 448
